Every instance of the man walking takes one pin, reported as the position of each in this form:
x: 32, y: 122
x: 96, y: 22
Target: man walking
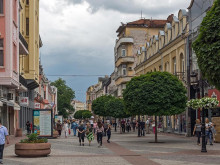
x: 3, y: 134
x: 74, y: 126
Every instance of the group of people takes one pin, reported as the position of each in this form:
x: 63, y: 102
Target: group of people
x: 209, y: 131
x: 86, y: 129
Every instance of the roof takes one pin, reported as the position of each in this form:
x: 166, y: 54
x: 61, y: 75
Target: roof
x: 150, y: 23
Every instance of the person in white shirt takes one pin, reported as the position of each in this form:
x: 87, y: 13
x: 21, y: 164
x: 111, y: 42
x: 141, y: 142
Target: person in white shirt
x: 148, y: 126
x: 66, y: 128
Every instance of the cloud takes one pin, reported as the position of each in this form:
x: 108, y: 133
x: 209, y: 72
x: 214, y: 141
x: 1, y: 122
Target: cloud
x: 79, y: 35
x: 149, y: 7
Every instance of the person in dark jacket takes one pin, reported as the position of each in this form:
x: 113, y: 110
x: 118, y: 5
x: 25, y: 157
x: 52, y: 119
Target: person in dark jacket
x: 109, y: 133
x: 28, y: 125
x: 81, y: 133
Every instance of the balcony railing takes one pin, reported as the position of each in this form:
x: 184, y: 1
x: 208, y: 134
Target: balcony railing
x: 24, y: 42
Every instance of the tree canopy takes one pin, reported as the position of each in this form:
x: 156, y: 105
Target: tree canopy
x: 207, y: 45
x: 83, y: 114
x: 155, y: 93
x: 98, y: 105
x: 115, y: 107
x: 64, y: 96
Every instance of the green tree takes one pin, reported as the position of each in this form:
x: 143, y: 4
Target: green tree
x: 86, y: 114
x: 64, y: 96
x: 207, y: 45
x: 98, y: 105
x: 78, y: 114
x: 155, y: 93
x: 115, y: 108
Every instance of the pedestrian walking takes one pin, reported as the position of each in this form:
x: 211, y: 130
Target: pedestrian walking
x: 28, y: 126
x: 105, y: 127
x: 99, y: 132
x: 153, y: 126
x: 142, y: 123
x: 66, y: 128
x: 74, y: 126
x: 3, y: 135
x: 81, y: 133
x: 128, y: 125
x: 89, y: 133
x: 94, y: 126
x: 134, y: 125
x: 208, y: 131
x: 123, y: 126
x: 197, y: 130
x: 109, y: 133
x: 148, y: 126
x: 59, y: 127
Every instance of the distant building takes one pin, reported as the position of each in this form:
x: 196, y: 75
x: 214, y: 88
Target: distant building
x: 78, y: 105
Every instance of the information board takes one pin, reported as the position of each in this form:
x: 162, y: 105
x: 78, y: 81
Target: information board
x: 42, y: 119
x: 58, y: 117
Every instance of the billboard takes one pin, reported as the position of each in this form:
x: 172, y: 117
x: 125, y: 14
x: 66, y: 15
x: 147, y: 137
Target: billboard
x: 58, y: 117
x: 42, y: 122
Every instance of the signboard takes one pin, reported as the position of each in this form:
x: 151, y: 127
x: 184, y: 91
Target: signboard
x: 36, y: 105
x: 42, y: 120
x: 58, y: 117
x: 24, y: 101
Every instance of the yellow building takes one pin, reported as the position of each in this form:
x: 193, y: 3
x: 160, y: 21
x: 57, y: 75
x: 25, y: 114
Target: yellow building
x: 131, y: 36
x: 166, y: 51
x: 89, y: 98
x: 29, y: 29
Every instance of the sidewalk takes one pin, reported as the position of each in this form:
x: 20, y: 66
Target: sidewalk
x: 124, y: 149
x: 13, y: 140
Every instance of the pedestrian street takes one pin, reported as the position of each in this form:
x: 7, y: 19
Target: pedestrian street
x: 124, y: 149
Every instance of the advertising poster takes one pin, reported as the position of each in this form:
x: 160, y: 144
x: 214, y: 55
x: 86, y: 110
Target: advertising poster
x: 42, y: 122
x: 58, y: 117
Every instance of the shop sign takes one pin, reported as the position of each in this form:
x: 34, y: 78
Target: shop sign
x: 37, y: 106
x: 24, y: 101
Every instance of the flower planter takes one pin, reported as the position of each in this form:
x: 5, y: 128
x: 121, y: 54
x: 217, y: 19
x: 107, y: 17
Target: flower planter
x: 32, y: 149
x: 55, y: 134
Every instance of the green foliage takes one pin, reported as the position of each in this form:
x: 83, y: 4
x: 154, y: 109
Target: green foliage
x: 207, y: 46
x: 205, y: 102
x: 98, y: 105
x: 33, y: 138
x: 115, y: 108
x: 64, y: 97
x: 82, y: 114
x: 155, y: 93
x: 86, y: 114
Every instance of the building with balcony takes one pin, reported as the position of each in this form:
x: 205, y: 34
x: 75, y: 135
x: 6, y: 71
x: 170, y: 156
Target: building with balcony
x: 166, y: 51
x: 29, y: 65
x: 131, y: 36
x: 9, y: 64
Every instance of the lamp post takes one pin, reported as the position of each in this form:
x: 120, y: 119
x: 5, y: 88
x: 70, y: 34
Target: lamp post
x: 203, y: 122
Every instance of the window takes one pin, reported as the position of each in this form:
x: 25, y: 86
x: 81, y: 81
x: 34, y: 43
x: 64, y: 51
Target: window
x: 1, y: 52
x: 123, y: 52
x: 27, y: 2
x: 174, y: 65
x: 1, y: 7
x: 160, y: 68
x: 124, y: 70
x: 182, y: 63
x: 167, y: 66
x: 27, y: 26
x: 14, y: 57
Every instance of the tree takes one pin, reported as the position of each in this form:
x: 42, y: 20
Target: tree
x: 155, y: 93
x: 115, y: 108
x: 86, y: 114
x: 207, y: 46
x: 78, y: 114
x: 98, y: 105
x: 64, y: 96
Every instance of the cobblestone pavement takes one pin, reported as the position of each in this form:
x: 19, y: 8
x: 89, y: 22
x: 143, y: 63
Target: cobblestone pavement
x: 124, y: 149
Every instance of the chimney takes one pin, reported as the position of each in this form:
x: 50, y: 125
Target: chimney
x: 170, y: 18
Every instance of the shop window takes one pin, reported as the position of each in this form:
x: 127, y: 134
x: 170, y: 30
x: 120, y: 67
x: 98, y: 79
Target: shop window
x: 1, y: 52
x: 1, y: 7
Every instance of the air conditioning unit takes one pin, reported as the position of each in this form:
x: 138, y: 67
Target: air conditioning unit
x: 1, y: 93
x: 10, y: 96
x: 130, y: 68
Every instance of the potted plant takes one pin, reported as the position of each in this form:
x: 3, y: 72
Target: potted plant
x: 33, y: 146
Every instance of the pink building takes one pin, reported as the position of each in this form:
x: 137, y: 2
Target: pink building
x: 9, y: 63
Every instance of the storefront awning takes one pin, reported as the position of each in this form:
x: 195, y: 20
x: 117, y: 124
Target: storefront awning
x: 16, y: 107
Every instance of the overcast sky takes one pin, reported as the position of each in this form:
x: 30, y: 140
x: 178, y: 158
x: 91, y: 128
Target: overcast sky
x: 79, y: 35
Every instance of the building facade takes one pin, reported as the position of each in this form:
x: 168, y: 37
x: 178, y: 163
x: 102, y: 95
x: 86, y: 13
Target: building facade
x: 29, y: 62
x: 166, y: 51
x: 9, y: 64
x: 131, y: 37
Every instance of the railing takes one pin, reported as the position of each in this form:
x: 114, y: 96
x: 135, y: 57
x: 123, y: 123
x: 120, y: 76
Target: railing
x: 24, y: 42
